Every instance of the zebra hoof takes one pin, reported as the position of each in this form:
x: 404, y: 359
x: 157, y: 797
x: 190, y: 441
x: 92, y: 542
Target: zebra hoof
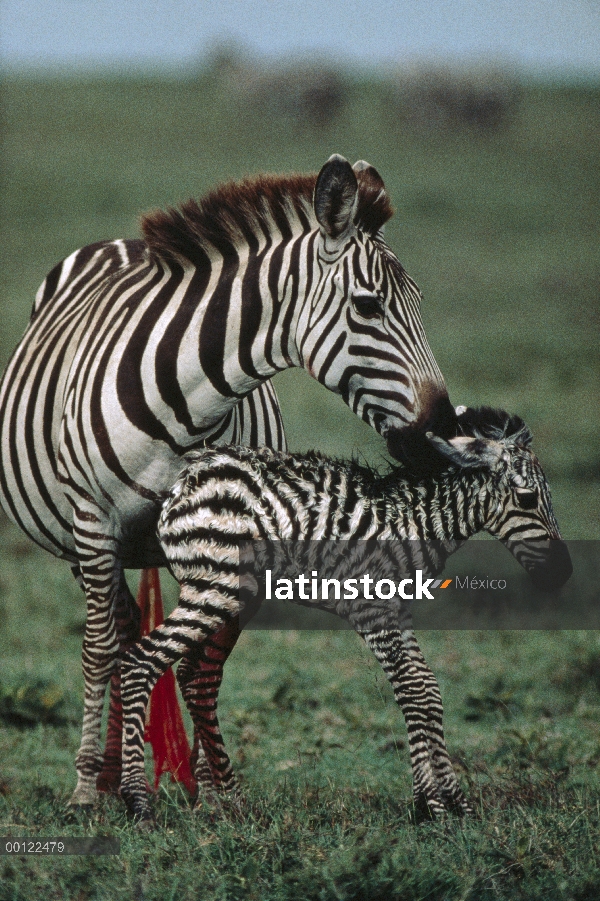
x: 454, y: 800
x: 145, y: 824
x: 208, y: 804
x: 77, y: 814
x: 465, y: 810
x: 427, y: 809
x: 138, y: 808
x: 84, y: 797
x: 459, y: 806
x: 219, y: 806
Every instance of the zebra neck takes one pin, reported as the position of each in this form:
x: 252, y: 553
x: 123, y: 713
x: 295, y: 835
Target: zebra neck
x: 450, y: 505
x: 241, y: 329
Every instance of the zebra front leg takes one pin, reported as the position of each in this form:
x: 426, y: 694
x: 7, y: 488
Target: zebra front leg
x: 100, y: 576
x: 449, y: 788
x: 185, y: 630
x: 411, y: 693
x: 199, y: 676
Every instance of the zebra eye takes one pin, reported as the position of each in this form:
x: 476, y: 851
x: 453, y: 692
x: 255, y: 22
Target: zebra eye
x: 527, y: 498
x: 368, y: 306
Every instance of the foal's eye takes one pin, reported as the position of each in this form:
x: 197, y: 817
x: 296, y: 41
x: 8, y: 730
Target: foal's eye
x: 368, y: 306
x: 526, y: 498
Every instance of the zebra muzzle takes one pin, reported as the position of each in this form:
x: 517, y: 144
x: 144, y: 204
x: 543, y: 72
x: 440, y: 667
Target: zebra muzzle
x: 411, y: 445
x: 554, y: 567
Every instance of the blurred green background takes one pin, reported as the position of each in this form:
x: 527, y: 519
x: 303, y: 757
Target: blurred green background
x: 495, y: 185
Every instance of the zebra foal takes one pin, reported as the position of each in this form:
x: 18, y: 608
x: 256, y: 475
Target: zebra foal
x: 492, y: 481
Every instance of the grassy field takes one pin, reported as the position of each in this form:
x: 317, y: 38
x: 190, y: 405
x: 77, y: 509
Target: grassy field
x: 499, y: 227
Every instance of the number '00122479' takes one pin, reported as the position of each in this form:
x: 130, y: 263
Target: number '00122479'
x: 30, y: 846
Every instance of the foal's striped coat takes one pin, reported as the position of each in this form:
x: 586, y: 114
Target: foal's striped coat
x: 493, y: 482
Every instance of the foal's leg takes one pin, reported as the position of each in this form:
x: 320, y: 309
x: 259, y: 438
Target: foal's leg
x: 417, y: 693
x: 199, y: 677
x: 198, y: 616
x: 200, y: 674
x: 448, y: 785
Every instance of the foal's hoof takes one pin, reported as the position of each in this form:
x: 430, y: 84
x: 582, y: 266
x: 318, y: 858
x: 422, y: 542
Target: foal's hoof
x: 208, y: 804
x: 145, y: 824
x: 139, y: 808
x: 459, y: 806
x: 219, y: 806
x: 78, y: 813
x: 425, y: 810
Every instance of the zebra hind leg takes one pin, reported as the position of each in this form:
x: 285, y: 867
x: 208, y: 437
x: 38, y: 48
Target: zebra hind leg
x: 142, y: 666
x: 128, y: 617
x: 448, y: 785
x: 199, y: 676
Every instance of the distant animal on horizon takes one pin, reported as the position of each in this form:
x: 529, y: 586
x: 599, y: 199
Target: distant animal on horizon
x: 492, y: 481
x: 139, y: 351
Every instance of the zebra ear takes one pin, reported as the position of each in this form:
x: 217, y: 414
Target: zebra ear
x: 374, y: 206
x: 336, y: 197
x: 368, y: 177
x: 469, y: 453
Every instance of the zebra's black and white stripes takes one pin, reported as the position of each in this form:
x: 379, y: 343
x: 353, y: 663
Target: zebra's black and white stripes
x: 30, y: 411
x: 34, y: 387
x: 226, y: 496
x: 139, y: 351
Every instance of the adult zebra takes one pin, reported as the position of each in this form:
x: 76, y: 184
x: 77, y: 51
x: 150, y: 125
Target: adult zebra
x: 121, y: 372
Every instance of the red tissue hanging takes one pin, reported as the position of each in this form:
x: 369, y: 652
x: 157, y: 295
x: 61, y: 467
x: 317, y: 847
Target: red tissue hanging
x: 164, y: 724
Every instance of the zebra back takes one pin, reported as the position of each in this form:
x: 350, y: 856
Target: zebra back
x: 228, y: 495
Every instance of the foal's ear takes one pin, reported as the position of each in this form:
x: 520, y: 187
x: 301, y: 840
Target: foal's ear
x: 336, y: 199
x: 469, y: 453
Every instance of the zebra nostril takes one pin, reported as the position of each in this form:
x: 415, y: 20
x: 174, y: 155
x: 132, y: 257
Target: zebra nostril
x: 411, y: 446
x: 442, y: 418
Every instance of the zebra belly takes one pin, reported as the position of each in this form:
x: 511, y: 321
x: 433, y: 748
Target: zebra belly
x: 30, y: 492
x: 142, y: 551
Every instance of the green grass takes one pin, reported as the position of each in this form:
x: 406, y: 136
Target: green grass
x: 500, y: 230
x: 321, y: 750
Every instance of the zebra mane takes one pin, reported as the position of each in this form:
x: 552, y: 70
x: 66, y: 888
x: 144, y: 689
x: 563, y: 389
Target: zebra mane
x: 496, y: 425
x: 241, y: 212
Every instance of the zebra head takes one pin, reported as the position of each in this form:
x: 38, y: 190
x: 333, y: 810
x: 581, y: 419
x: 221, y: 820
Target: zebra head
x: 361, y: 332
x: 514, y: 500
